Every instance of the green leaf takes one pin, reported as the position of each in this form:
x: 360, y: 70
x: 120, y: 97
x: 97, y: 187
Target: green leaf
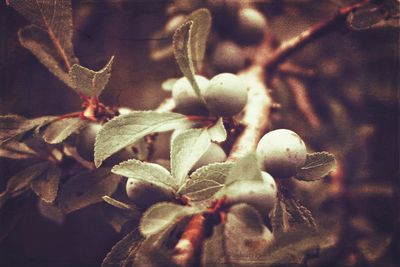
x: 121, y: 252
x: 278, y: 219
x: 16, y: 150
x: 366, y: 16
x: 189, y: 42
x: 186, y: 150
x: 245, y: 168
x: 126, y: 129
x: 317, y: 166
x: 59, y: 130
x: 21, y: 181
x: 46, y: 184
x: 299, y: 214
x: 217, y: 131
x: 88, y: 82
x: 12, y: 126
x: 374, y: 246
x: 206, y: 181
x: 55, y: 18
x: 50, y: 211
x: 39, y: 43
x: 199, y: 31
x: 245, y: 235
x: 183, y: 54
x: 162, y: 215
x: 155, y: 251
x: 87, y: 188
x: 149, y: 172
x: 118, y: 204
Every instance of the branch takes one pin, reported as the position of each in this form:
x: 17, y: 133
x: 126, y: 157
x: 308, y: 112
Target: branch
x: 291, y: 46
x: 256, y: 113
x: 302, y: 100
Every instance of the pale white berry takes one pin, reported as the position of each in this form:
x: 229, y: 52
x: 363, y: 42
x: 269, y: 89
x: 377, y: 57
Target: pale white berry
x: 281, y: 153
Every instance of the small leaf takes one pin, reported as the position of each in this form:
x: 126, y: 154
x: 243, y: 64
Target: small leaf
x: 198, y: 34
x: 46, y: 184
x: 39, y: 43
x: 126, y: 129
x: 87, y: 188
x: 51, y: 211
x: 88, y: 82
x: 162, y: 215
x: 317, y: 166
x: 365, y: 17
x: 59, y: 130
x: 206, y: 181
x: 186, y: 150
x: 278, y: 220
x: 299, y: 214
x: 12, y: 126
x: 217, y: 131
x: 118, y: 204
x: 245, y: 168
x: 155, y: 250
x: 55, y: 18
x: 189, y: 42
x: 21, y: 181
x: 16, y: 150
x: 374, y: 246
x: 149, y: 172
x: 123, y: 250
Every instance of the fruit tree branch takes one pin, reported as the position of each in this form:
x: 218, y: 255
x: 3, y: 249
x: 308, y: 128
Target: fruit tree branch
x: 291, y: 46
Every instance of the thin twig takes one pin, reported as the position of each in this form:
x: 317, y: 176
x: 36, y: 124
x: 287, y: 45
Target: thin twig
x: 302, y: 100
x: 291, y: 46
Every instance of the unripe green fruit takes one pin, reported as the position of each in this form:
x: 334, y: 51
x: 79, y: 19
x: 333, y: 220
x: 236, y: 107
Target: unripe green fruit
x: 261, y: 195
x: 213, y: 154
x: 86, y: 139
x: 186, y: 100
x: 251, y: 26
x: 144, y: 194
x: 281, y: 153
x: 226, y: 95
x: 85, y: 146
x: 228, y: 57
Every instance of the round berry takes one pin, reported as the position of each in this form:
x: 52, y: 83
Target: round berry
x: 226, y: 95
x: 281, y: 153
x: 228, y: 57
x: 251, y: 26
x: 144, y: 194
x: 186, y: 100
x: 213, y: 154
x: 86, y: 139
x: 261, y: 195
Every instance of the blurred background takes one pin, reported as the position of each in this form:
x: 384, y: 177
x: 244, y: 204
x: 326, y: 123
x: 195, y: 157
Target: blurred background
x: 349, y: 80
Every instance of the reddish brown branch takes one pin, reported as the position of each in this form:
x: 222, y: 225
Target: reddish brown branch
x: 303, y: 103
x: 189, y: 245
x: 291, y: 46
